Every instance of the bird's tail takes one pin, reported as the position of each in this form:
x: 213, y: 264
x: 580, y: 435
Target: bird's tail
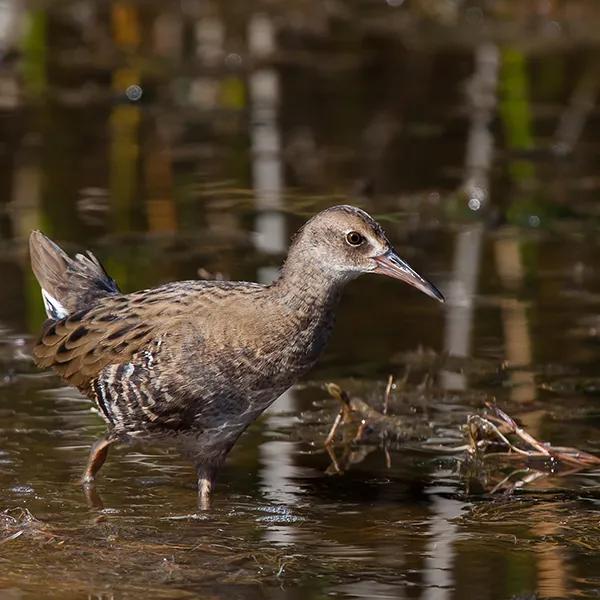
x: 68, y: 284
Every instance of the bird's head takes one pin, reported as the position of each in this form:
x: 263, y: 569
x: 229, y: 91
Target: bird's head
x: 345, y: 242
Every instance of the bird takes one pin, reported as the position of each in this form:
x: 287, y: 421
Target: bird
x: 200, y: 360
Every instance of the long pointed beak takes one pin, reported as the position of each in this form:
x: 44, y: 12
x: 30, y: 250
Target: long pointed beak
x: 392, y: 265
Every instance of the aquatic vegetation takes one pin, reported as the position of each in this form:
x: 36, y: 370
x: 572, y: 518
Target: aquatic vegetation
x: 494, y: 440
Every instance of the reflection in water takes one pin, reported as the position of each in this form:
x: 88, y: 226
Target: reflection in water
x: 167, y: 34
x: 25, y: 204
x: 441, y: 552
x: 476, y: 186
x: 480, y: 141
x: 573, y: 119
x: 515, y: 322
x: 12, y: 13
x: 460, y: 298
x: 508, y: 252
x: 125, y: 120
x: 461, y: 310
x: 551, y: 564
x: 266, y: 144
x: 162, y: 216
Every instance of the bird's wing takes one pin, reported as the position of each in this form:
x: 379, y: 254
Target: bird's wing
x: 83, y: 343
x: 132, y: 355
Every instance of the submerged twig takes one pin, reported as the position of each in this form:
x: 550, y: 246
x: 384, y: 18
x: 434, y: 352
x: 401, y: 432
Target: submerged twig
x: 497, y: 413
x: 386, y: 397
x: 334, y: 427
x: 13, y: 536
x: 339, y: 394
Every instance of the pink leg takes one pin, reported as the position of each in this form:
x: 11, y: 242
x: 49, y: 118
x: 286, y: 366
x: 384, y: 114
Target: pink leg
x: 98, y: 454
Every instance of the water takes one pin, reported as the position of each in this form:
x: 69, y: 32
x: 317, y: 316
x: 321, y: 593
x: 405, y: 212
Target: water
x: 471, y: 135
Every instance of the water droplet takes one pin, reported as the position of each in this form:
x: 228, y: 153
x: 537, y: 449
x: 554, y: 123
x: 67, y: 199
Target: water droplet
x: 534, y: 221
x: 474, y: 203
x: 134, y: 93
x: 233, y: 60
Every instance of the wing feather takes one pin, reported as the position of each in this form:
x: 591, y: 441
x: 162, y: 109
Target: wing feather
x: 80, y: 345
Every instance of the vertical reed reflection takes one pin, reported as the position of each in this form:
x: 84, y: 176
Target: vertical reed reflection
x: 515, y: 322
x: 12, y: 19
x: 276, y: 457
x: 26, y: 214
x: 158, y: 174
x: 479, y: 154
x: 460, y: 301
x: 551, y: 564
x: 266, y: 143
x: 481, y: 99
x: 125, y: 119
x: 552, y: 568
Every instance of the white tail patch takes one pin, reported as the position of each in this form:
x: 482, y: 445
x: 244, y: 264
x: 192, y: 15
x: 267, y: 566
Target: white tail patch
x: 54, y: 309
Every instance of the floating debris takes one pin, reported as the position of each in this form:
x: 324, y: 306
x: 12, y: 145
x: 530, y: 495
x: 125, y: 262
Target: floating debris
x: 497, y: 427
x: 493, y: 441
x: 19, y: 521
x: 373, y: 428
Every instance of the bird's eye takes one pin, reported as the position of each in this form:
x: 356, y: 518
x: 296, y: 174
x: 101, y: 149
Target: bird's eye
x: 354, y: 238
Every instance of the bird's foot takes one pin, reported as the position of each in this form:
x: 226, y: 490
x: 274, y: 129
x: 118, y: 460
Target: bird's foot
x: 206, y: 482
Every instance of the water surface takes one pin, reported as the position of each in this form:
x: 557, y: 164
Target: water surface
x: 470, y: 131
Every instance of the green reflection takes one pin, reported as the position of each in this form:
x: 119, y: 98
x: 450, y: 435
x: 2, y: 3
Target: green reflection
x: 34, y: 53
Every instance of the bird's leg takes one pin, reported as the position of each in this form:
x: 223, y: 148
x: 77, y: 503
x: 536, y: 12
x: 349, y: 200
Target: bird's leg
x: 206, y: 482
x: 98, y: 454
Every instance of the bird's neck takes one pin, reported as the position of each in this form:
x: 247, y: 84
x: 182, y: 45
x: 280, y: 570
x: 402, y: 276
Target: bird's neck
x: 308, y: 297
x: 307, y: 287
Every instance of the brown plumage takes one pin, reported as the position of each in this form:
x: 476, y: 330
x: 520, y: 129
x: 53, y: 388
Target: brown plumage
x: 200, y: 360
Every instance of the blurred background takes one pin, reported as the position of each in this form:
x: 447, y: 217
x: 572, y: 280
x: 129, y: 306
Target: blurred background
x: 191, y: 139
